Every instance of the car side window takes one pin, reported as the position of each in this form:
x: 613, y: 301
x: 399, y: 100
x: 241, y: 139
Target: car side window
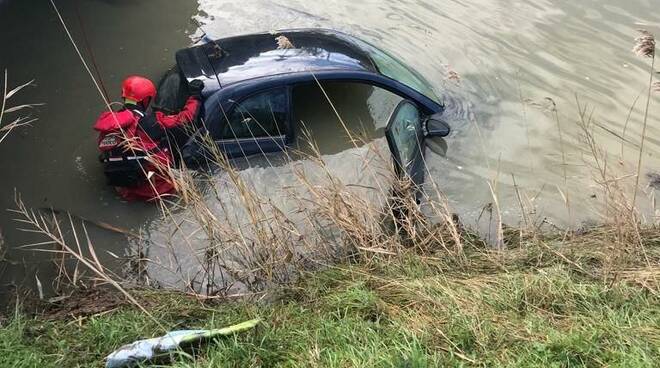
x: 261, y: 115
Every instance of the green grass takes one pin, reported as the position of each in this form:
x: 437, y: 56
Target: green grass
x: 528, y: 307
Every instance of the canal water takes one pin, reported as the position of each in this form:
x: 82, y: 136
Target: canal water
x: 511, y: 74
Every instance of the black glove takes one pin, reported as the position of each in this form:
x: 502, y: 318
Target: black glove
x: 195, y: 88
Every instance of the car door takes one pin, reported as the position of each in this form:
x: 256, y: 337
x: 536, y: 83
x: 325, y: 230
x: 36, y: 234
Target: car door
x: 256, y: 124
x: 405, y: 138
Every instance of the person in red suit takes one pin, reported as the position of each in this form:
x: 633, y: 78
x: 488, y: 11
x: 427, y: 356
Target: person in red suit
x: 134, y: 145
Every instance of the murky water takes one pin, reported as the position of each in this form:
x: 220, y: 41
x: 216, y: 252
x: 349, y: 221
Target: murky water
x: 510, y: 56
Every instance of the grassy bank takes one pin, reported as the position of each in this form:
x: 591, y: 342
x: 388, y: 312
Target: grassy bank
x: 575, y: 301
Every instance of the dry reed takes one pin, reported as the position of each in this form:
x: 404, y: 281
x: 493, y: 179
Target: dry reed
x: 644, y: 47
x: 7, y: 94
x: 283, y: 43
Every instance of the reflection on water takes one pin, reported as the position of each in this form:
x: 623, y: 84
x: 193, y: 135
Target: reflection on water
x: 510, y: 55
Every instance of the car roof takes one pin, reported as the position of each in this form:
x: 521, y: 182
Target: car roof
x: 234, y: 59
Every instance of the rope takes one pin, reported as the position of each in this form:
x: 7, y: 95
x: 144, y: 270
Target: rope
x: 89, y: 51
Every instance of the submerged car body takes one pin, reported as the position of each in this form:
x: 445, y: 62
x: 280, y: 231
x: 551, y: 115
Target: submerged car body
x: 249, y: 80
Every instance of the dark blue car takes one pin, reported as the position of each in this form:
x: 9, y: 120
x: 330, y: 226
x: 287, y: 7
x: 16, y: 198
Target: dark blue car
x: 249, y: 81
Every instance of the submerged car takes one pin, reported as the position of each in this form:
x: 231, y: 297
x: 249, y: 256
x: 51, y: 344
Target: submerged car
x: 249, y: 80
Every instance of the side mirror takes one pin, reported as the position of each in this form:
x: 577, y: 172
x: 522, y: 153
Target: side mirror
x: 436, y: 127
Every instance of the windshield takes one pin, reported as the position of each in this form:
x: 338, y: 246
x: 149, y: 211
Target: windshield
x: 395, y: 69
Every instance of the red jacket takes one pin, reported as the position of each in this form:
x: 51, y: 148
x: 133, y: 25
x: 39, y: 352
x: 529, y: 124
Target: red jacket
x: 159, y: 182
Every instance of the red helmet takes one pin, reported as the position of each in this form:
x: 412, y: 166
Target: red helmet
x: 138, y: 88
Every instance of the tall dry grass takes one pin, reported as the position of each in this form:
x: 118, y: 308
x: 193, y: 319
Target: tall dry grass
x: 319, y: 219
x: 644, y: 47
